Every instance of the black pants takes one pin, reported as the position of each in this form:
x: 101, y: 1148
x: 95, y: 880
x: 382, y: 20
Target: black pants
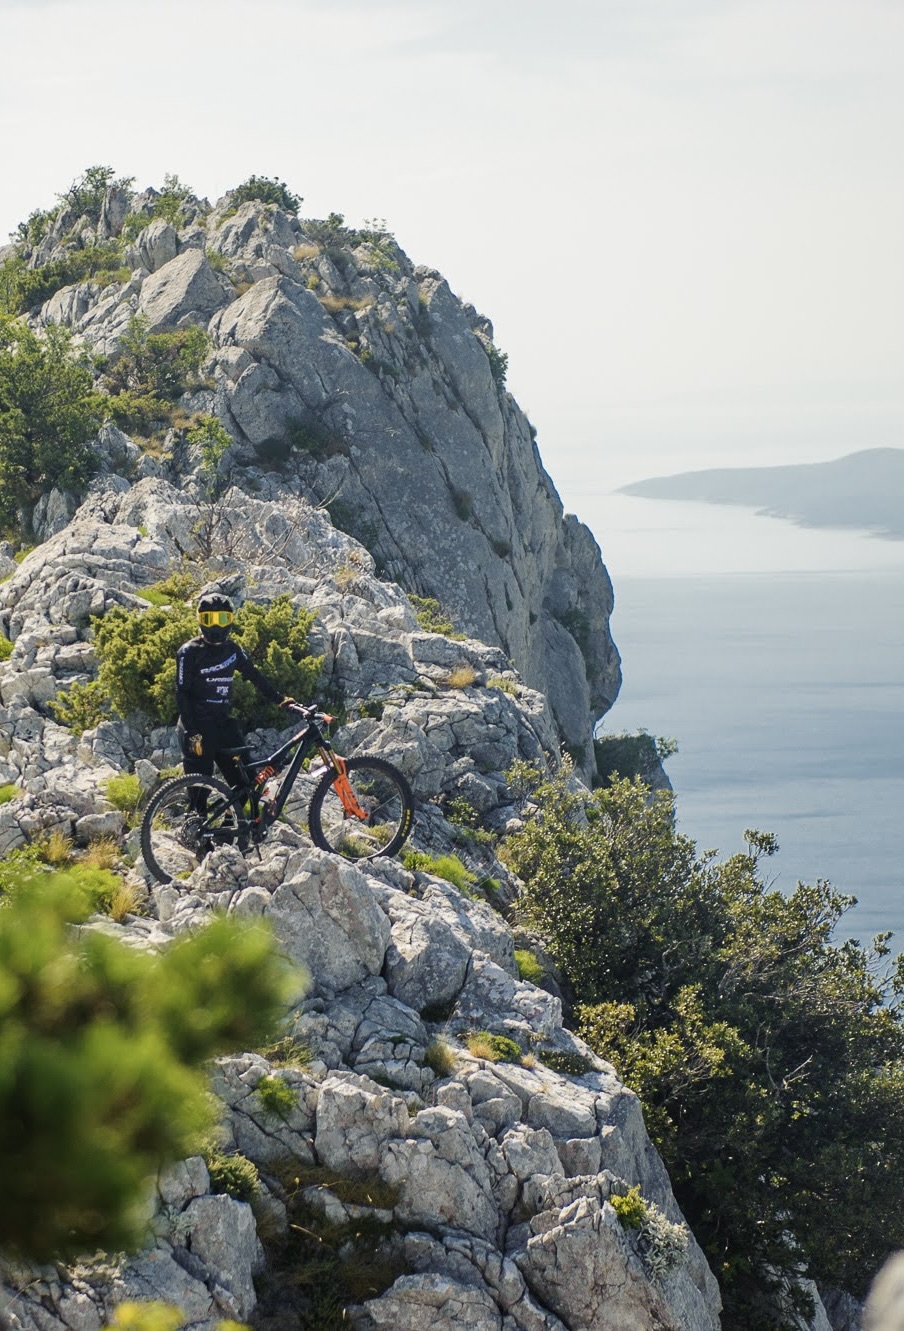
x: 219, y: 735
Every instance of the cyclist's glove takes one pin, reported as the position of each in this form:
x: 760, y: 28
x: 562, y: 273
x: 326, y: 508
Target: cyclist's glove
x: 286, y: 702
x: 196, y: 745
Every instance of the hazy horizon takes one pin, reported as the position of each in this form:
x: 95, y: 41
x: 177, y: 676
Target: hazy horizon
x: 683, y: 217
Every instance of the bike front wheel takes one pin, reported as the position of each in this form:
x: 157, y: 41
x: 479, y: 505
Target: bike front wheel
x: 185, y: 819
x: 375, y: 820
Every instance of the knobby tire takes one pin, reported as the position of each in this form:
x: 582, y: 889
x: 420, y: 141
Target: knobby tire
x: 385, y: 795
x: 175, y: 836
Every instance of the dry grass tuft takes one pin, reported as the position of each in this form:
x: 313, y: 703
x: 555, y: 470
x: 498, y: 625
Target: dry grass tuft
x: 462, y: 677
x: 125, y: 902
x: 102, y: 853
x: 55, y: 848
x: 440, y: 1056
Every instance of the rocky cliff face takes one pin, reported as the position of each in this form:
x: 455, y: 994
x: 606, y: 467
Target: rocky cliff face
x: 381, y: 395
x: 488, y: 1183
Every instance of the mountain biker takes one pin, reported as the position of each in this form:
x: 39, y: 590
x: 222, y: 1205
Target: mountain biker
x: 205, y: 667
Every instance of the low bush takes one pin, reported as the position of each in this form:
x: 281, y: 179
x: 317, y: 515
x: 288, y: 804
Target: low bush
x: 104, y: 1050
x: 173, y: 204
x: 630, y: 756
x: 433, y: 618
x: 8, y: 793
x: 137, y: 654
x: 448, y: 867
x: 505, y: 685
x: 492, y: 1048
x: 287, y: 1052
x: 568, y: 1063
x: 176, y: 589
x: 529, y: 967
x: 23, y: 289
x: 49, y: 414
x: 234, y: 1175
x: 277, y: 1096
x: 630, y: 1208
x: 151, y: 371
x: 264, y: 189
x: 124, y: 792
x: 81, y: 707
x: 763, y: 1053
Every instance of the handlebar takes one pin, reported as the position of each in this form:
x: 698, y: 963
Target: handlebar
x: 310, y: 713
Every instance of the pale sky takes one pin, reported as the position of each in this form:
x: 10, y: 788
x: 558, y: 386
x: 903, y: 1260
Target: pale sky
x: 684, y: 217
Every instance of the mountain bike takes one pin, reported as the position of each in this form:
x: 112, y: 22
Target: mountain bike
x: 361, y: 807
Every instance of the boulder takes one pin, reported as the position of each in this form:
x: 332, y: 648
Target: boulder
x: 183, y: 290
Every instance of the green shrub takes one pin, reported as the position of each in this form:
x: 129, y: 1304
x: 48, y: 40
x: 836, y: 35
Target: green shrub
x: 287, y: 1052
x: 234, y: 1175
x: 100, y: 886
x: 137, y: 654
x: 174, y: 590
x: 30, y: 233
x: 213, y: 441
x: 49, y: 413
x: 23, y: 289
x: 498, y: 364
x: 9, y: 793
x: 124, y: 792
x: 276, y: 638
x: 85, y: 196
x: 448, y: 867
x: 570, y: 1064
x: 172, y: 204
x: 6, y: 647
x: 81, y: 707
x: 151, y: 372
x: 262, y: 189
x: 104, y: 1051
x: 493, y: 1048
x: 764, y: 1055
x: 630, y: 755
x: 529, y: 967
x: 630, y: 1208
x: 277, y: 1096
x: 433, y: 618
x: 505, y: 685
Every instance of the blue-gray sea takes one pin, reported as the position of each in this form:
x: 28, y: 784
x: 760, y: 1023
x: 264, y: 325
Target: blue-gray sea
x: 774, y: 655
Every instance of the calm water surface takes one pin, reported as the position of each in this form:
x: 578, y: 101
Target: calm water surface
x: 775, y: 656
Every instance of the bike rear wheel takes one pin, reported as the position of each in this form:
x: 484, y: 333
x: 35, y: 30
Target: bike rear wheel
x: 383, y: 796
x: 185, y: 819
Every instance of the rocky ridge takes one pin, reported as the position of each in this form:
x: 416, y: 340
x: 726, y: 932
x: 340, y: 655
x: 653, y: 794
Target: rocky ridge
x: 384, y: 394
x: 495, y: 1178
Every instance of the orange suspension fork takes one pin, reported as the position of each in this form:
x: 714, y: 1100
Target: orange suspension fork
x: 343, y: 787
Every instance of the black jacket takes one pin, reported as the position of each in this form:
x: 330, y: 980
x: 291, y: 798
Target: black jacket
x: 204, y: 673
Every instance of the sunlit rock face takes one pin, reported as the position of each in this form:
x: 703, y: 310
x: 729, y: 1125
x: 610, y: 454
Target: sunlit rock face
x: 374, y: 390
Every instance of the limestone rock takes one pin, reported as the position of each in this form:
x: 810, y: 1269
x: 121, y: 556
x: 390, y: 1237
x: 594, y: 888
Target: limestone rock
x: 185, y: 289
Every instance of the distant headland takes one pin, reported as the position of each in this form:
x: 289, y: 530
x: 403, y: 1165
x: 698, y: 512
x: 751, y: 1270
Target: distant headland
x: 864, y: 490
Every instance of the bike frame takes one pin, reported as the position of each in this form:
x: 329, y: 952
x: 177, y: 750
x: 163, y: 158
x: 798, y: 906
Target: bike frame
x: 304, y: 742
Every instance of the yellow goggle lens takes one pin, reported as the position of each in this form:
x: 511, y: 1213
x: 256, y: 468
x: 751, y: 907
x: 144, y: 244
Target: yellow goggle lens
x: 211, y: 618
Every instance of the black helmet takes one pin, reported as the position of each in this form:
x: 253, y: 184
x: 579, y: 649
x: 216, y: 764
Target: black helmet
x: 215, y: 615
